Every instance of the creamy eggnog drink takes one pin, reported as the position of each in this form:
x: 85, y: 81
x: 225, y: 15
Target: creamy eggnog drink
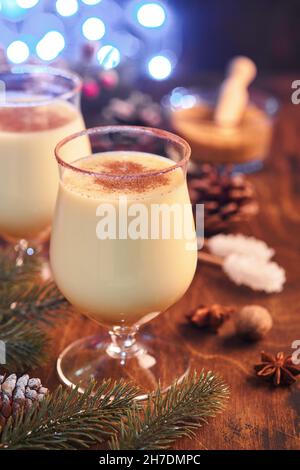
x: 123, y: 249
x: 28, y: 172
x: 121, y: 281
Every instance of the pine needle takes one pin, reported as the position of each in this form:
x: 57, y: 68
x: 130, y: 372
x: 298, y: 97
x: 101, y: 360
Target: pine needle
x: 24, y: 307
x: 8, y: 269
x: 26, y: 303
x: 176, y: 414
x: 26, y: 345
x: 70, y: 420
x: 33, y: 301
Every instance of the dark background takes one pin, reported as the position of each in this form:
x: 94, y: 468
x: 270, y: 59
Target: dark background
x: 268, y: 31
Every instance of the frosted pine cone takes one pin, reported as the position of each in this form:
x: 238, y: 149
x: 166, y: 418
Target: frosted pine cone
x: 228, y: 199
x: 18, y: 394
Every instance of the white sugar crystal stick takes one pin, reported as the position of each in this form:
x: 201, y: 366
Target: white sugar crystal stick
x: 233, y: 97
x: 256, y: 273
x: 224, y: 245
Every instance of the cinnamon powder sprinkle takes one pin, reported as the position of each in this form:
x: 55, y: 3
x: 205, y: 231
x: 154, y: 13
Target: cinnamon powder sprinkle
x: 137, y: 184
x: 35, y: 118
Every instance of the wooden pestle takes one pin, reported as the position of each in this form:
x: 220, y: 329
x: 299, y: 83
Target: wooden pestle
x: 233, y: 96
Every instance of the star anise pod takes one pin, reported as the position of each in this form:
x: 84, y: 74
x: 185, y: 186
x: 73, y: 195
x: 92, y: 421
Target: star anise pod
x: 279, y: 369
x: 211, y: 317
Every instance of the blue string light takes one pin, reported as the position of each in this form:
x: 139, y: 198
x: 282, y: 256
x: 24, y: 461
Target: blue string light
x: 159, y: 67
x: 18, y: 52
x: 10, y: 10
x: 50, y: 46
x: 91, y: 2
x: 48, y: 29
x: 67, y: 8
x: 27, y: 3
x: 93, y: 29
x: 109, y: 57
x: 151, y: 15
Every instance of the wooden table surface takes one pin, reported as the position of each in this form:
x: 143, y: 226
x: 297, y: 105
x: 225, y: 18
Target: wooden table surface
x: 258, y: 416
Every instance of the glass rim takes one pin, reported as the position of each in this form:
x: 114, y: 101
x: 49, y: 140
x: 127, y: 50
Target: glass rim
x: 46, y: 70
x: 103, y: 130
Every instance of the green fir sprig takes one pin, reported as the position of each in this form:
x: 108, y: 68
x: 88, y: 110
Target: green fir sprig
x: 27, y: 305
x: 70, y: 420
x: 26, y: 345
x: 178, y: 413
x: 9, y: 271
x: 33, y: 301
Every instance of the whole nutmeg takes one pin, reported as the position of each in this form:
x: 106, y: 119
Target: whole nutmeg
x: 253, y: 322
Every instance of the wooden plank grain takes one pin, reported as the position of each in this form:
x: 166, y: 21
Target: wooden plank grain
x: 257, y: 416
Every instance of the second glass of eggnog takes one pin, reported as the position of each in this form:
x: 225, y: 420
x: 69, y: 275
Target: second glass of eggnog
x: 38, y: 107
x: 123, y: 249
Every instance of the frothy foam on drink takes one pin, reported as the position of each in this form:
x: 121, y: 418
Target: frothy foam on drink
x: 36, y: 118
x: 121, y: 172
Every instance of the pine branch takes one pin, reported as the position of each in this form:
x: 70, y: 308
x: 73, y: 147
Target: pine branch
x: 9, y: 271
x: 32, y: 301
x: 175, y: 414
x: 25, y: 304
x: 70, y: 420
x: 26, y: 345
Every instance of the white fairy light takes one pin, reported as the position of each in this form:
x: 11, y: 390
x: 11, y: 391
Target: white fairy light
x: 17, y: 52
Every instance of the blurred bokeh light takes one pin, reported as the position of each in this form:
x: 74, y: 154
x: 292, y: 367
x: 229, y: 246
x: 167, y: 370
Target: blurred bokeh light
x: 67, y: 7
x: 18, y: 52
x: 159, y: 67
x: 151, y: 15
x: 93, y: 29
x: 109, y: 57
x: 103, y: 33
x: 50, y: 45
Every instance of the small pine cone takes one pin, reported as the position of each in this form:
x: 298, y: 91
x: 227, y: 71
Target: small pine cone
x: 227, y: 198
x: 17, y: 394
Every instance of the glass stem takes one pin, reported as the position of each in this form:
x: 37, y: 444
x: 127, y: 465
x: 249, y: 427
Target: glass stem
x: 123, y: 343
x: 21, y: 250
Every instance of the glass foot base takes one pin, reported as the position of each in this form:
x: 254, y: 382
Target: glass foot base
x: 155, y: 361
